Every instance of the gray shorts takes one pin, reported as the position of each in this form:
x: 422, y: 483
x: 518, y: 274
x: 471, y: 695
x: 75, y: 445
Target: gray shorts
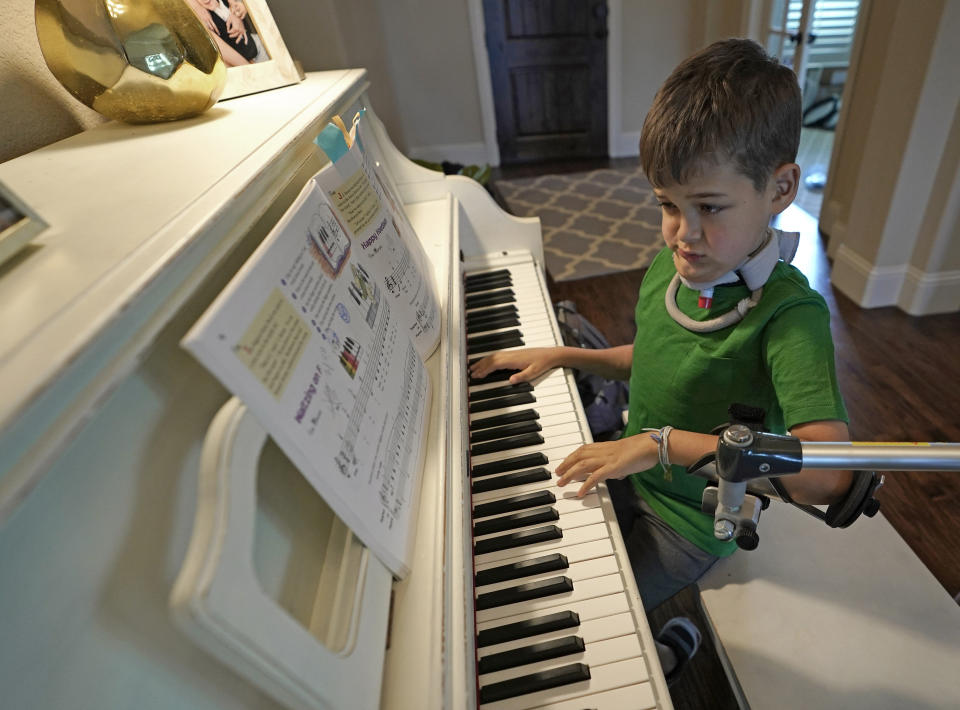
x: 663, y: 561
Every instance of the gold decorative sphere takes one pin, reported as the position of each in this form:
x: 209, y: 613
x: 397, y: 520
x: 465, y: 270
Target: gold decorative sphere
x: 139, y: 61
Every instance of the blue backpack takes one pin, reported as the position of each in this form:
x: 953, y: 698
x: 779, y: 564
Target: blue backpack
x: 603, y: 400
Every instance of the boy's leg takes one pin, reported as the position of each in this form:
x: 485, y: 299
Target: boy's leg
x: 663, y: 561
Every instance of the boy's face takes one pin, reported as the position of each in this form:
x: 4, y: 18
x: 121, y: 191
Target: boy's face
x: 717, y: 218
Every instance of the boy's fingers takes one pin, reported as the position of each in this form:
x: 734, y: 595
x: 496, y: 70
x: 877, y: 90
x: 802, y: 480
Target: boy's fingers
x: 576, y: 470
x: 592, y: 480
x: 525, y: 375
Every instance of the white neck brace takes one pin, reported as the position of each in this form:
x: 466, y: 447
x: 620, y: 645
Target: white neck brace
x: 754, y: 270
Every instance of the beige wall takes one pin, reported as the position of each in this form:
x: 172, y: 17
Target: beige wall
x: 656, y: 37
x: 34, y: 109
x: 326, y: 34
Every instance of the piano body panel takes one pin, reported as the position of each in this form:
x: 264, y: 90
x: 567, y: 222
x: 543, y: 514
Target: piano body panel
x: 104, y: 414
x: 108, y: 427
x: 226, y: 599
x: 140, y: 218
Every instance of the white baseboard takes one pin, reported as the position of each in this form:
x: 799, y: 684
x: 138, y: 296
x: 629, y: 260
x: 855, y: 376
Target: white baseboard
x: 465, y: 153
x: 925, y: 293
x: 916, y: 292
x: 870, y: 286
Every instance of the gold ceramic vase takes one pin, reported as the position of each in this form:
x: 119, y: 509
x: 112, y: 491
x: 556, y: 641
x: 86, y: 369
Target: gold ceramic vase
x: 139, y: 61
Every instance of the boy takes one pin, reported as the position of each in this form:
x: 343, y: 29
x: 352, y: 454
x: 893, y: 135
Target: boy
x: 720, y: 319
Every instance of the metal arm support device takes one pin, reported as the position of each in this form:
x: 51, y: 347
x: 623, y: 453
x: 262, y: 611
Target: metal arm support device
x: 748, y: 463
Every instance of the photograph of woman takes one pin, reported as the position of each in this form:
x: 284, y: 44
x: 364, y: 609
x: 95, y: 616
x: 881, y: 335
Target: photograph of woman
x: 231, y: 27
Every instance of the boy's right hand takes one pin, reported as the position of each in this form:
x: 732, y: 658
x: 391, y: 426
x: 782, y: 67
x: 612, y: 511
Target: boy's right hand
x: 531, y: 363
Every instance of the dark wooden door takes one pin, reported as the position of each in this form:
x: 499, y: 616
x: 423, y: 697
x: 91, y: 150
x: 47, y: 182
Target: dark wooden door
x: 548, y: 65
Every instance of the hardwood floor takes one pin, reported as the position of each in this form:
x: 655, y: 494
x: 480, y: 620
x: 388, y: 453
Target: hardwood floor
x: 900, y: 377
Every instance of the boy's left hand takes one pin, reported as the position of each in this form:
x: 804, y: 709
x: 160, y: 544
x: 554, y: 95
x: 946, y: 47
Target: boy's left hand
x: 592, y: 463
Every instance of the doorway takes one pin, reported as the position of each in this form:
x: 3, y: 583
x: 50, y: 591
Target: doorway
x: 548, y: 70
x: 815, y: 37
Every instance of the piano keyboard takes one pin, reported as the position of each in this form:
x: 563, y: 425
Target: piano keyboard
x: 554, y: 620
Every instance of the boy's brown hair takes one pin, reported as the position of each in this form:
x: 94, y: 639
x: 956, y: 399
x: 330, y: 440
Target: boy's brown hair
x: 730, y: 101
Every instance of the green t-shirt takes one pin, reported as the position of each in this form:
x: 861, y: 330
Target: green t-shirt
x: 779, y: 357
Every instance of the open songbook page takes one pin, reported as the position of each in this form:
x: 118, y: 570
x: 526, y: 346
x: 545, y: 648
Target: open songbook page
x: 323, y: 335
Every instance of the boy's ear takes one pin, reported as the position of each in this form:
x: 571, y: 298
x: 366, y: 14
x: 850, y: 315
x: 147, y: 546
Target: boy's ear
x: 786, y: 182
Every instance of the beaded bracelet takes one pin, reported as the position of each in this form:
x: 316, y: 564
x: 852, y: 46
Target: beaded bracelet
x: 662, y: 436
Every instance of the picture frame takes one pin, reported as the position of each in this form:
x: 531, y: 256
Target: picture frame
x: 18, y: 224
x: 256, y: 57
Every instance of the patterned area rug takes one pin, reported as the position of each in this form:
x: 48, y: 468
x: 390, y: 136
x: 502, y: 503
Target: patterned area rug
x: 596, y: 222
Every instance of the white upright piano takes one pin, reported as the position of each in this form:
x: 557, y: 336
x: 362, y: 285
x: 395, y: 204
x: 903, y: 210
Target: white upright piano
x: 157, y: 551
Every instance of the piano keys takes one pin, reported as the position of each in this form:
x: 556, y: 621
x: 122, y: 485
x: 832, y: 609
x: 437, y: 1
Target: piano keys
x: 551, y: 598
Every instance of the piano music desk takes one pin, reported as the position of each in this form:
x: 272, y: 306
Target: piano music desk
x: 823, y: 618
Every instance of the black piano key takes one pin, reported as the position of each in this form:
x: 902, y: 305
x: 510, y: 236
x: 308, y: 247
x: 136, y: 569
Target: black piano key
x: 544, y: 680
x: 554, y: 562
x: 475, y: 276
x: 510, y: 401
x: 494, y: 338
x: 503, y: 391
x: 494, y: 341
x: 543, y: 651
x: 490, y: 298
x: 495, y: 376
x: 500, y: 432
x: 488, y: 284
x: 521, y: 538
x: 515, y: 520
x: 506, y: 444
x: 528, y: 627
x: 519, y: 502
x: 524, y: 592
x: 506, y: 309
x: 485, y: 324
x: 512, y: 341
x: 502, y: 419
x: 511, y: 464
x: 509, y: 480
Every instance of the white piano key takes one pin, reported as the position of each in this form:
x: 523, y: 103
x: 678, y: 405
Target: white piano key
x: 553, y: 400
x: 586, y: 609
x: 553, y: 412
x: 602, y: 678
x: 574, y: 553
x: 587, y: 533
x: 555, y: 453
x: 536, y: 342
x: 564, y: 419
x: 556, y: 428
x: 562, y: 440
x: 562, y: 506
x: 587, y: 589
x: 576, y: 571
x: 567, y: 522
x: 591, y: 631
x: 639, y: 696
x: 568, y: 491
x: 598, y: 653
x: 551, y: 377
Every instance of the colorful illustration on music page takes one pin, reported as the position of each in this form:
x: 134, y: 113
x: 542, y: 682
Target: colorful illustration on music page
x: 350, y: 356
x: 327, y: 240
x: 364, y: 291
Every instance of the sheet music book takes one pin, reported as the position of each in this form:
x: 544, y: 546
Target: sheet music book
x: 323, y: 335
x: 366, y: 203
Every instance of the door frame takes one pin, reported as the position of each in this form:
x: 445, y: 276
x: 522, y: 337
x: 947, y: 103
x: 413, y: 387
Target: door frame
x: 481, y: 61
